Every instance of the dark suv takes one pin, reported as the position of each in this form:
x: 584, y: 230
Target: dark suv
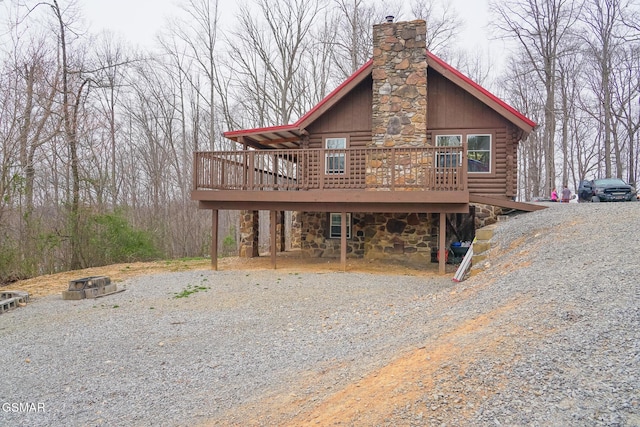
x: 606, y: 190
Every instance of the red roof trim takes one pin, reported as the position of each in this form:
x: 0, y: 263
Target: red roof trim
x: 309, y: 113
x: 365, y: 68
x: 475, y: 85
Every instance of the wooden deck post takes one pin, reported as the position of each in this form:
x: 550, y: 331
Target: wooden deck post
x: 273, y: 220
x: 214, y: 239
x: 442, y: 231
x: 343, y: 240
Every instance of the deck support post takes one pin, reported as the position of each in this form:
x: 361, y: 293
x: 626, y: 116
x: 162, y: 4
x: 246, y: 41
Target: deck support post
x: 214, y: 239
x: 273, y: 222
x: 442, y: 231
x: 343, y: 240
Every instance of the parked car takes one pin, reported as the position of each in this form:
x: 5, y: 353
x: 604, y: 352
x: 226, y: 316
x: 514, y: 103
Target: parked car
x: 606, y: 190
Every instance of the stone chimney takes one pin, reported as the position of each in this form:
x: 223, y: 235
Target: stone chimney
x: 399, y: 84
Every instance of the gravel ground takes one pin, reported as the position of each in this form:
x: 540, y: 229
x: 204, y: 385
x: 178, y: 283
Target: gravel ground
x: 548, y: 334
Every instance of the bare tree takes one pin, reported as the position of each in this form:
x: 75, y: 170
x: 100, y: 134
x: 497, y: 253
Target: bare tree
x: 604, y: 34
x: 111, y: 59
x: 352, y: 39
x: 269, y: 54
x: 625, y: 84
x: 540, y: 27
x: 73, y: 93
x: 443, y: 23
x: 524, y: 91
x: 198, y: 30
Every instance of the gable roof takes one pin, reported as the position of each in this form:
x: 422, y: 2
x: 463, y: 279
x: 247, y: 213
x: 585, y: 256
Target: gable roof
x: 288, y: 136
x: 482, y: 94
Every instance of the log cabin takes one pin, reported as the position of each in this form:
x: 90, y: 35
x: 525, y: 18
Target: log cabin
x: 379, y: 167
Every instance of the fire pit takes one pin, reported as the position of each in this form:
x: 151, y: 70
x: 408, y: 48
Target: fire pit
x: 89, y: 287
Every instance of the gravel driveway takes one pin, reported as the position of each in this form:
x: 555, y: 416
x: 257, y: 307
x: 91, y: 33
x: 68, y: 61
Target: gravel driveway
x: 548, y: 334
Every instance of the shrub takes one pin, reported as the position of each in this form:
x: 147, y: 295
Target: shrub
x: 112, y: 236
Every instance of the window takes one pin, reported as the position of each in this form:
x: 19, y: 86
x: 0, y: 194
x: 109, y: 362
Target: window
x: 447, y: 160
x: 479, y: 153
x: 335, y: 225
x: 334, y: 160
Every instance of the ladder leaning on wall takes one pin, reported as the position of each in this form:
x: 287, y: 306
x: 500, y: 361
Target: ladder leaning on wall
x: 464, y: 265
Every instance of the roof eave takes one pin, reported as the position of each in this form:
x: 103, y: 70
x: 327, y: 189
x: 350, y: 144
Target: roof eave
x: 327, y: 102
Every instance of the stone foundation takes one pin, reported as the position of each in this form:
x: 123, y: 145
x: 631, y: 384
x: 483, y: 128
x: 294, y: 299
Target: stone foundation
x: 280, y: 232
x: 296, y: 230
x: 249, y: 231
x: 487, y: 214
x: 376, y: 235
x: 373, y: 235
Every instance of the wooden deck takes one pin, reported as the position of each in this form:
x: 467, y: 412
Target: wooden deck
x: 426, y: 179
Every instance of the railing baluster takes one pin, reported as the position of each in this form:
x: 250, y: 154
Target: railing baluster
x: 427, y: 169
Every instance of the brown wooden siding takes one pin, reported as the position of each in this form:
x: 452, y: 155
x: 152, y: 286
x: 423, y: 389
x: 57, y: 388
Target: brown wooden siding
x: 451, y: 110
x: 451, y: 107
x: 355, y: 139
x: 351, y: 115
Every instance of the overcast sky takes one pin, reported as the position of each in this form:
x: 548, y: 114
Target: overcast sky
x: 139, y: 20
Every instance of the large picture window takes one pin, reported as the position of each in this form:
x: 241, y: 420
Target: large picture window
x: 479, y: 153
x: 335, y: 160
x: 335, y: 225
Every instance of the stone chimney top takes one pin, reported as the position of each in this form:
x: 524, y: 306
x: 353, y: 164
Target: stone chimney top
x: 399, y: 84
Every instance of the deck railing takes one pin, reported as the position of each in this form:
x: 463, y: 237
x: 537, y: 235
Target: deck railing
x: 425, y: 168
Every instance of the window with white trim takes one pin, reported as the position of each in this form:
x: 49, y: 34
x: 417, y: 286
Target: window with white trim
x: 479, y: 153
x: 335, y: 160
x: 335, y: 225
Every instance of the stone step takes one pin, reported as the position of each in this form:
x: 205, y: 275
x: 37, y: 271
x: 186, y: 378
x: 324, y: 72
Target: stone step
x: 485, y: 233
x: 481, y: 246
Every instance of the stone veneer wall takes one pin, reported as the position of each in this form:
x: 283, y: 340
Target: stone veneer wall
x: 249, y: 227
x: 295, y: 229
x: 374, y: 235
x: 399, y: 107
x: 487, y: 215
x: 280, y: 232
x: 399, y: 84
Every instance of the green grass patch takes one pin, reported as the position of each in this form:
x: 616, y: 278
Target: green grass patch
x: 190, y: 290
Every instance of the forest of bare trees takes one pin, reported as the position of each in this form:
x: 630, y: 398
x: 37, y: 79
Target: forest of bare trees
x: 97, y: 137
